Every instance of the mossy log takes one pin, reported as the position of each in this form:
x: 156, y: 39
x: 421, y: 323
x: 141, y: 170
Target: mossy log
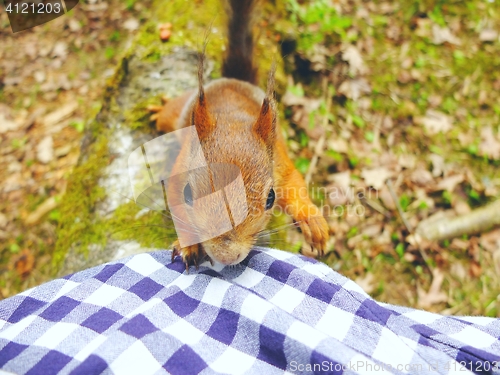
x: 101, y: 221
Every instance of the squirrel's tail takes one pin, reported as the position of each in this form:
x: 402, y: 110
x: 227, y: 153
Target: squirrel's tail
x: 238, y: 62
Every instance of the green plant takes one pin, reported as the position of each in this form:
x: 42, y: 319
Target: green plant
x: 318, y: 23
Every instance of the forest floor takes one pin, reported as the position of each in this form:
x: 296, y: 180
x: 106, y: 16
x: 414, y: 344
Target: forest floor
x: 375, y: 93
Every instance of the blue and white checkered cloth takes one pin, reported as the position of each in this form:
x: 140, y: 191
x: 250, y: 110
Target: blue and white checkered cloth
x: 275, y: 313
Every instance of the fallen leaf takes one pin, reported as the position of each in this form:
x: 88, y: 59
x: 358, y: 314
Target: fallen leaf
x: 449, y: 183
x: 45, y: 150
x: 366, y: 282
x: 338, y: 145
x: 496, y: 261
x: 62, y: 113
x: 23, y: 263
x: 489, y: 146
x: 340, y: 192
x: 354, y: 88
x: 434, y: 295
x: 461, y: 207
x: 131, y: 24
x: 488, y: 35
x: 74, y: 25
x: 458, y: 244
x: 342, y: 180
x: 421, y: 177
x: 475, y: 269
x: 60, y: 49
x: 435, y: 122
x: 376, y: 177
x: 490, y: 241
x: 441, y: 35
x: 3, y: 220
x: 386, y: 198
x: 353, y: 57
x: 407, y: 161
x: 372, y: 230
x: 47, y: 206
x: 7, y: 123
x: 437, y: 164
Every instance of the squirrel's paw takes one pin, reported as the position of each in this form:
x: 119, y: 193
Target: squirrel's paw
x: 191, y: 255
x: 315, y: 231
x: 156, y: 109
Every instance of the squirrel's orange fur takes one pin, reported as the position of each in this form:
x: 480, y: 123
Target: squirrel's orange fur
x: 236, y: 123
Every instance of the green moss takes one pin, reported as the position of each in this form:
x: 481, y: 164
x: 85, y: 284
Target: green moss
x: 78, y: 204
x: 138, y: 116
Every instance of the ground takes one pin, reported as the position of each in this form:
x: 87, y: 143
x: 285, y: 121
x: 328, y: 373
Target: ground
x: 371, y: 92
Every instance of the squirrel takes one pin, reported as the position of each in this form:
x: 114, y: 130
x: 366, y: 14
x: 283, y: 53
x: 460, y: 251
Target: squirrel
x: 236, y: 123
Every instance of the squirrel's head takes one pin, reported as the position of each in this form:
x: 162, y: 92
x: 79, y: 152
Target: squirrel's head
x: 230, y: 199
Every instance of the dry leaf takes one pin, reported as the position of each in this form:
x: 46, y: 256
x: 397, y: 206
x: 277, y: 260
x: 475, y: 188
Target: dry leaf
x: 131, y: 24
x: 41, y: 210
x: 435, y: 122
x: 441, y: 35
x: 461, y: 207
x: 338, y: 145
x: 475, y: 269
x: 354, y: 88
x: 353, y: 57
x: 488, y: 35
x: 366, y: 282
x: 434, y: 295
x: 386, y: 198
x: 60, y: 49
x: 62, y: 113
x: 496, y: 261
x: 437, y: 164
x: 449, y: 183
x: 342, y: 180
x: 376, y: 177
x: 372, y: 230
x: 489, y: 146
x: 3, y: 220
x: 45, y: 150
x: 421, y: 177
x: 23, y: 263
x: 491, y: 240
x: 7, y: 123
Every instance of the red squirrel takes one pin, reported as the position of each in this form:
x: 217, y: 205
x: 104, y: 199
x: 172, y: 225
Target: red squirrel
x: 236, y: 123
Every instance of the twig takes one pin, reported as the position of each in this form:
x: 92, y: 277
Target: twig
x: 408, y: 226
x: 321, y: 141
x: 398, y: 206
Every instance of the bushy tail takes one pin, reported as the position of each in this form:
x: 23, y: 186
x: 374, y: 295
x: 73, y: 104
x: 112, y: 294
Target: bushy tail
x: 238, y: 62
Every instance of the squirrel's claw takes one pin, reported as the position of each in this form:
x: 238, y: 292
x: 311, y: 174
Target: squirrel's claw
x: 315, y: 231
x: 191, y: 255
x: 154, y: 108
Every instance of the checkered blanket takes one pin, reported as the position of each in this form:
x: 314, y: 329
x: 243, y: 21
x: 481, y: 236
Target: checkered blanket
x: 275, y: 313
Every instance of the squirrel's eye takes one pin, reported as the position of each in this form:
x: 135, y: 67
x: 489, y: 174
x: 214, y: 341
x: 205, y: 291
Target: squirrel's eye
x: 188, y: 195
x: 270, y: 199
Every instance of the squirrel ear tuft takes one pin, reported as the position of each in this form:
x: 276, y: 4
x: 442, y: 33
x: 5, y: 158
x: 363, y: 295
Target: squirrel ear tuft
x: 201, y: 118
x: 265, y: 126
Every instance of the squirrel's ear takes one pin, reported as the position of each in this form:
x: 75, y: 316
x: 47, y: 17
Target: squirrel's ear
x: 265, y: 126
x: 201, y: 118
